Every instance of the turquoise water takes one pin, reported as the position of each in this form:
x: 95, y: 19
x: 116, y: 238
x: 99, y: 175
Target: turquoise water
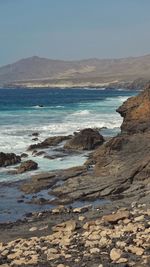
x: 49, y: 112
x: 54, y: 112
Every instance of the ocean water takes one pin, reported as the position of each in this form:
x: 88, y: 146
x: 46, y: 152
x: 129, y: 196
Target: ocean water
x: 53, y: 112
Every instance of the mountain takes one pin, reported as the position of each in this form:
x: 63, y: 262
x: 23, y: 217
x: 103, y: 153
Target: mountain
x: 43, y: 72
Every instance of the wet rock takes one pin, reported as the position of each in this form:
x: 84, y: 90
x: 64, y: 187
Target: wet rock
x: 51, y: 141
x: 86, y: 139
x: 39, y: 182
x: 46, y: 180
x: 39, y: 201
x: 82, y: 209
x: 24, y: 155
x: 59, y: 209
x: 35, y: 134
x: 114, y: 218
x: 35, y: 139
x: 28, y: 165
x: 7, y: 159
x: 38, y: 153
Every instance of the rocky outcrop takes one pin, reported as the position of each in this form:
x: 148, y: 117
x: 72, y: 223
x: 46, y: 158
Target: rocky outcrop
x: 46, y: 180
x: 50, y: 141
x: 120, y: 167
x: 136, y: 113
x: 86, y: 139
x: 7, y: 159
x: 28, y: 165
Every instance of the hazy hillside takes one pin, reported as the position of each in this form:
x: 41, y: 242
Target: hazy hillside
x: 43, y: 72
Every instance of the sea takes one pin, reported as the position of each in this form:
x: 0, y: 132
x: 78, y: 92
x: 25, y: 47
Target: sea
x: 49, y: 112
x: 52, y: 112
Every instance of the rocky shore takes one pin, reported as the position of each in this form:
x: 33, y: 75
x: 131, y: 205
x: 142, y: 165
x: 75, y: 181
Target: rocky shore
x: 118, y: 239
x: 115, y: 233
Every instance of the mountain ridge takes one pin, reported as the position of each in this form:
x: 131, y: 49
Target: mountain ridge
x: 43, y: 72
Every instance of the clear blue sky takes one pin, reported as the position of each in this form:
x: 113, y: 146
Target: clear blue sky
x: 73, y: 29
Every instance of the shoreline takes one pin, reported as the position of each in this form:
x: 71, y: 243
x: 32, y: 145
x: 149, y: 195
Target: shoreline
x: 112, y: 233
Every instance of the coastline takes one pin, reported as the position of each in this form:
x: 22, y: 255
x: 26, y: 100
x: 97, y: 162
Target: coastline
x: 112, y: 233
x: 114, y: 84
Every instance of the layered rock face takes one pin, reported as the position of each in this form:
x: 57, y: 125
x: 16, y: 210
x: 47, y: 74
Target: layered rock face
x: 136, y: 113
x: 124, y: 161
x: 121, y: 166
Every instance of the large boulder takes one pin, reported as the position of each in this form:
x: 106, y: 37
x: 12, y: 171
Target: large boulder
x: 7, y: 159
x: 136, y: 113
x: 86, y: 139
x: 50, y: 141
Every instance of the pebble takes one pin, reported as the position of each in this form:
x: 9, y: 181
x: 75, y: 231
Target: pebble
x: 125, y: 238
x: 33, y: 229
x: 115, y: 254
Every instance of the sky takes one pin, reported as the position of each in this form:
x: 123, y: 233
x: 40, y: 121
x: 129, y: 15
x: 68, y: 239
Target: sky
x: 73, y: 29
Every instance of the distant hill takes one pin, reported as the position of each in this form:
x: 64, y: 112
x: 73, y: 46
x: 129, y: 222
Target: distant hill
x: 43, y: 72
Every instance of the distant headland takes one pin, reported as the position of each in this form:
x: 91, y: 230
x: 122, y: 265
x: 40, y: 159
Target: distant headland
x: 36, y: 72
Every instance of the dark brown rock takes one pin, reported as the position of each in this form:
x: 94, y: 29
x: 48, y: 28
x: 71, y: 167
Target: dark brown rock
x: 86, y: 139
x: 35, y: 134
x: 51, y: 141
x: 24, y: 155
x: 7, y: 159
x: 35, y: 139
x: 136, y: 113
x: 28, y: 165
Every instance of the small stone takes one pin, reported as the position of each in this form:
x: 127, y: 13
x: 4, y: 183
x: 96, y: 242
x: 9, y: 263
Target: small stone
x: 115, y: 254
x: 126, y: 221
x: 114, y: 218
x: 13, y: 256
x: 82, y: 209
x: 121, y: 244
x: 58, y: 209
x: 33, y: 229
x: 81, y: 218
x: 94, y: 250
x: 66, y: 226
x: 5, y: 252
x: 136, y: 250
x: 139, y: 218
x: 67, y: 256
x: 122, y: 260
x: 19, y: 262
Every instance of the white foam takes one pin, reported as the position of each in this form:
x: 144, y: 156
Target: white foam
x: 16, y: 137
x: 81, y: 113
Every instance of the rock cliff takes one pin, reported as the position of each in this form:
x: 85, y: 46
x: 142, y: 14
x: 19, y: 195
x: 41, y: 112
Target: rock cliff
x: 120, y: 168
x: 136, y: 113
